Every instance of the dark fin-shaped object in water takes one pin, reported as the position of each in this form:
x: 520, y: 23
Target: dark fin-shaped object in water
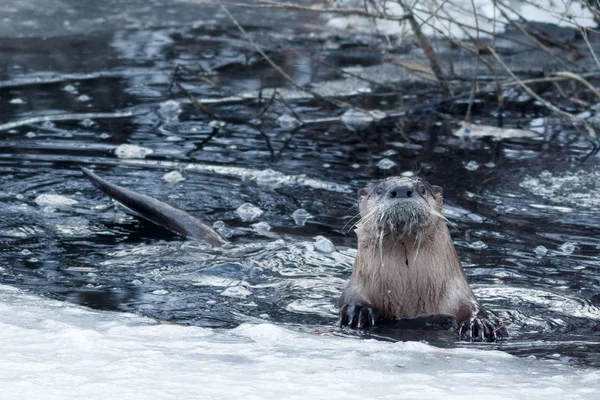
x: 157, y: 212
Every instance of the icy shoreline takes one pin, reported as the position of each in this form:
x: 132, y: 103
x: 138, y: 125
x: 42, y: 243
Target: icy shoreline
x: 56, y: 350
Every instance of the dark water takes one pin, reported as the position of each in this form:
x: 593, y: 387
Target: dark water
x: 504, y: 198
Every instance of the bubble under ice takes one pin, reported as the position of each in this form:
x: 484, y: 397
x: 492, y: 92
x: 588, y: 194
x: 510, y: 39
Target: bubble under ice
x: 55, y: 350
x: 300, y: 216
x: 170, y: 110
x: 248, y: 212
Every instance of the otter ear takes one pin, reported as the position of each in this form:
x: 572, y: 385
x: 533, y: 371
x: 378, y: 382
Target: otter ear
x: 362, y: 193
x: 437, y: 190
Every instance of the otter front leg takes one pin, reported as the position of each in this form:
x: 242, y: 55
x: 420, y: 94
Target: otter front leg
x: 358, y: 316
x: 354, y: 309
x: 479, y: 327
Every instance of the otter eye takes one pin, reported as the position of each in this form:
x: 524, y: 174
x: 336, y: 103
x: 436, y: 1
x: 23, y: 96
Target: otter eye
x: 422, y: 189
x: 379, y: 190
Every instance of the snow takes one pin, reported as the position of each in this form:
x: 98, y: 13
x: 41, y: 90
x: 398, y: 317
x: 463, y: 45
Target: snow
x: 56, y: 350
x: 434, y: 17
x: 132, y: 151
x: 54, y: 200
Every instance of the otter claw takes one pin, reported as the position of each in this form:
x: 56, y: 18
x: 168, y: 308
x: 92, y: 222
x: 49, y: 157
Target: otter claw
x: 359, y: 317
x: 482, y: 329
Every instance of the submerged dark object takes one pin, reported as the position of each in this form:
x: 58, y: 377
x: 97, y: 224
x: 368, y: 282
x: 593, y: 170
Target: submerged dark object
x: 407, y: 266
x: 157, y: 212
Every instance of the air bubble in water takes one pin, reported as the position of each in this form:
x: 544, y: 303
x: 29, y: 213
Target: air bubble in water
x: 261, y: 227
x: 478, y: 245
x: 354, y: 119
x: 324, y: 245
x: 301, y: 216
x: 541, y: 251
x: 169, y: 110
x: 386, y: 163
x: 248, y: 212
x: 287, y: 121
x: 472, y: 166
x: 568, y: 248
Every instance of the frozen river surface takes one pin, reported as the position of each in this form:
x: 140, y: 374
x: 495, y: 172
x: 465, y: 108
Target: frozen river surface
x: 57, y: 350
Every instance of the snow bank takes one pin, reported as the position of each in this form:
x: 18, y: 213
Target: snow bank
x: 55, y: 350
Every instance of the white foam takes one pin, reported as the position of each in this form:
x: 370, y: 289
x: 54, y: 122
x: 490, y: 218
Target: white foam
x: 54, y: 350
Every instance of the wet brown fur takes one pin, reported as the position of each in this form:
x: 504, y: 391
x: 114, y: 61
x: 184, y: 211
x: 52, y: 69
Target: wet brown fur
x: 407, y: 264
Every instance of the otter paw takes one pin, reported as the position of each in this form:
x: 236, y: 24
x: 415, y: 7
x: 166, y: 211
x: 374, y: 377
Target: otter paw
x: 356, y: 316
x: 482, y: 329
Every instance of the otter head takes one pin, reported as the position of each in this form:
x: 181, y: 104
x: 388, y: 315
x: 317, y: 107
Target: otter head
x: 400, y: 207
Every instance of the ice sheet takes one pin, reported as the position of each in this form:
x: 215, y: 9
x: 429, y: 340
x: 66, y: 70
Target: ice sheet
x: 55, y: 350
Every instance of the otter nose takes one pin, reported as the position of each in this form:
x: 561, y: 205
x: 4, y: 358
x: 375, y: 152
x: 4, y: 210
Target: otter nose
x: 401, y: 192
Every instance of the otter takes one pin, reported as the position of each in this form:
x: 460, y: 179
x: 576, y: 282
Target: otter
x: 407, y: 265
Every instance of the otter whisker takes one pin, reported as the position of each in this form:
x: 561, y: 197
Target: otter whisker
x: 381, y: 249
x: 440, y: 215
x: 351, y: 220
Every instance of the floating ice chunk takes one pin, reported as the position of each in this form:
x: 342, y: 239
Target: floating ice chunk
x: 169, y: 110
x: 474, y: 131
x: 160, y: 292
x: 83, y: 98
x: 173, y: 177
x: 287, y: 121
x: 408, y: 174
x: 17, y: 100
x: 132, y: 151
x: 354, y: 119
x: 478, y: 245
x: 541, y: 251
x: 248, y: 212
x: 568, y: 248
x: 324, y: 245
x: 472, y: 166
x: 30, y: 135
x: 54, y: 200
x: 386, y: 163
x: 261, y: 227
x: 301, y: 216
x: 239, y: 292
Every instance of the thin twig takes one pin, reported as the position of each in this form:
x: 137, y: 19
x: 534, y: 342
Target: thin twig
x: 268, y: 142
x: 579, y: 78
x: 427, y: 49
x: 474, y: 85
